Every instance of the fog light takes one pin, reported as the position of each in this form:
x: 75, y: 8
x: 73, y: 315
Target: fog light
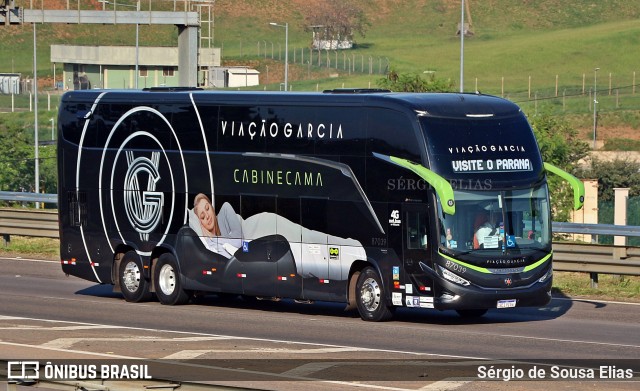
x: 547, y: 275
x: 447, y: 296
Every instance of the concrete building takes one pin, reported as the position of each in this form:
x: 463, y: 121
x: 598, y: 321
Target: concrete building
x: 87, y: 67
x: 223, y: 77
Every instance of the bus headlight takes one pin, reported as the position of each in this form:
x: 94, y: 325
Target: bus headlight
x: 547, y: 275
x: 453, y: 277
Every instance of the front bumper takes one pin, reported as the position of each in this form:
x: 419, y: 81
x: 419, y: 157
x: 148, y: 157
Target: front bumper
x: 456, y: 297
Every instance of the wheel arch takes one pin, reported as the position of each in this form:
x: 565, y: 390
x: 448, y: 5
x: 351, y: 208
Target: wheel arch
x: 148, y: 263
x: 155, y: 254
x: 118, y: 253
x: 354, y: 272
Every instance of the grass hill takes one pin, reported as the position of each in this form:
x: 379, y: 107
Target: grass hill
x: 531, y: 51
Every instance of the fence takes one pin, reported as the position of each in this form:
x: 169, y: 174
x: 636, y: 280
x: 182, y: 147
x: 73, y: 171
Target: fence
x: 344, y: 60
x: 24, y: 101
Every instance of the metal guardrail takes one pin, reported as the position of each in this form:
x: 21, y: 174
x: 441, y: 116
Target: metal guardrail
x: 595, y: 229
x: 573, y: 257
x: 594, y: 259
x: 19, y: 196
x: 28, y: 222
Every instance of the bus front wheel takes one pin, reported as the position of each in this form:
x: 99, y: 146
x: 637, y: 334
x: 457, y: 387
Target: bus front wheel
x: 166, y: 278
x: 133, y: 285
x: 370, y: 297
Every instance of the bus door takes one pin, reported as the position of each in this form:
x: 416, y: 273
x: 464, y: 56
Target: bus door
x: 416, y: 243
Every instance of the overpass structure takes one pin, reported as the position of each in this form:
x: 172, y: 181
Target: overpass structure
x: 188, y: 23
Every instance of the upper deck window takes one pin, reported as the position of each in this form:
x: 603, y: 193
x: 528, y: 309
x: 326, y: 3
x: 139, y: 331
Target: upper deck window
x: 501, y: 150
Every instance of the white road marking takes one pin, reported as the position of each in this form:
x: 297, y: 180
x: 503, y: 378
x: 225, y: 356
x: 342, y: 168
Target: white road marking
x: 64, y: 343
x: 300, y: 373
x: 309, y: 368
x: 243, y: 371
x: 61, y: 328
x: 576, y: 341
x: 148, y: 330
x: 588, y: 301
x: 188, y: 354
x: 27, y: 260
x: 444, y: 385
x: 285, y: 377
x: 106, y: 355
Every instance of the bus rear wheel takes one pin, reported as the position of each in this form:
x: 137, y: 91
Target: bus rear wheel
x: 370, y: 297
x: 167, y: 281
x: 133, y: 285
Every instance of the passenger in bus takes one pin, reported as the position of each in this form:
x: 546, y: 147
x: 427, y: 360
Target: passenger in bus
x: 221, y: 233
x: 484, y: 226
x: 449, y: 240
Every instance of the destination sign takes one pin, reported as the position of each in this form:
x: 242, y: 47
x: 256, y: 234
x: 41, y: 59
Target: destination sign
x: 491, y: 165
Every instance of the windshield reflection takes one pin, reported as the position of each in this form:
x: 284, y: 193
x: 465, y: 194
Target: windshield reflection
x: 490, y: 223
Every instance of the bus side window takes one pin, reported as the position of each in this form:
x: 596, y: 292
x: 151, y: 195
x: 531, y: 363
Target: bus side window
x: 391, y: 133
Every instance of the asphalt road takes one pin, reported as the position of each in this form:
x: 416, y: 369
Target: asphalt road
x: 47, y: 315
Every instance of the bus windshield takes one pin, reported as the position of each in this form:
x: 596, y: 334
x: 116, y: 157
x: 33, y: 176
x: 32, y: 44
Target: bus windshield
x: 497, y: 222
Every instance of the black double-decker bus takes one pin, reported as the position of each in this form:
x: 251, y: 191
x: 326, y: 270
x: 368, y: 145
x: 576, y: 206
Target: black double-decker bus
x: 375, y: 199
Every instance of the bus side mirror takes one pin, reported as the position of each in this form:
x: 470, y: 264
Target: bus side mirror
x: 576, y: 184
x: 442, y: 186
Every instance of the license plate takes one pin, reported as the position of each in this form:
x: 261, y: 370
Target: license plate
x: 506, y: 303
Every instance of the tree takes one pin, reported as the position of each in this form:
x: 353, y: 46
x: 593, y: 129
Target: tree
x: 622, y: 173
x: 611, y: 174
x: 335, y: 20
x: 559, y: 145
x: 17, y: 165
x: 16, y: 162
x: 411, y: 82
x: 48, y: 169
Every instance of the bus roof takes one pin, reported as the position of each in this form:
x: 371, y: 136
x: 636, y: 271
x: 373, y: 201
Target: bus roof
x: 450, y: 105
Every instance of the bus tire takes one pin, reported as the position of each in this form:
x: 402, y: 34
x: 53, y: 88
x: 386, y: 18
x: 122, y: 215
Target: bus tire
x: 167, y: 281
x: 470, y: 314
x: 370, y: 297
x: 133, y: 285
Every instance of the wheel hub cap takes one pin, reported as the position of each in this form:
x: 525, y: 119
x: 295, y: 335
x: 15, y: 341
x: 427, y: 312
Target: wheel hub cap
x: 167, y: 280
x: 131, y: 277
x: 370, y: 294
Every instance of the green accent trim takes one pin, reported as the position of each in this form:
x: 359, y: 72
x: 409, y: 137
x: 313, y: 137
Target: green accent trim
x: 540, y: 262
x: 467, y: 265
x: 487, y: 271
x: 442, y: 186
x: 576, y: 184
